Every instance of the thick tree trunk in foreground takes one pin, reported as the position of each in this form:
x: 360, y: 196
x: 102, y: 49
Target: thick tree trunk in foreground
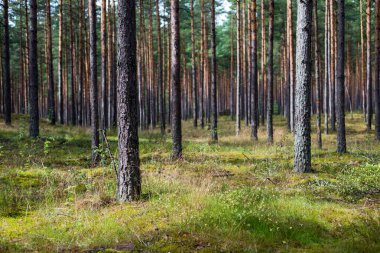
x: 7, y: 71
x: 93, y: 82
x: 339, y: 80
x: 377, y: 71
x: 254, y: 77
x: 175, y: 80
x: 270, y: 74
x: 129, y: 179
x: 214, y: 107
x: 51, y: 93
x: 33, y: 72
x: 302, y: 142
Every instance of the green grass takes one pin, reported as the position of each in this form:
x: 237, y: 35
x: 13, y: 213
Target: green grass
x: 234, y: 196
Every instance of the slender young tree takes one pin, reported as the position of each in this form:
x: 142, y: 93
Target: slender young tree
x: 129, y: 178
x: 161, y: 110
x: 302, y: 140
x: 175, y: 80
x: 214, y: 107
x: 339, y: 77
x: 369, y: 72
x: 254, y: 78
x: 316, y: 73
x: 51, y: 92
x: 270, y: 74
x: 193, y: 68
x: 33, y: 72
x: 377, y: 70
x: 7, y: 72
x: 93, y: 81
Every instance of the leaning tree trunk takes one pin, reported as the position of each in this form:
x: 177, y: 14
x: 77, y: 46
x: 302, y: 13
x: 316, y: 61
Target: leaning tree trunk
x: 302, y: 140
x: 128, y: 178
x: 254, y: 78
x: 33, y: 72
x: 51, y: 93
x: 369, y: 72
x: 377, y: 71
x: 339, y: 80
x: 7, y: 74
x: 175, y: 80
x: 214, y: 107
x: 93, y: 82
x: 270, y: 74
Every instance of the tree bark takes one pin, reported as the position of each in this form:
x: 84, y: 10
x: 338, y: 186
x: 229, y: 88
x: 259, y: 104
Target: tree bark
x: 161, y: 110
x: 326, y: 106
x: 369, y: 70
x: 51, y: 93
x: 316, y: 73
x: 254, y: 78
x: 60, y: 63
x: 129, y: 178
x: 214, y: 107
x: 175, y: 80
x: 302, y: 143
x: 238, y: 78
x: 377, y: 71
x: 339, y: 76
x: 103, y: 42
x: 7, y: 72
x: 93, y: 81
x: 193, y: 69
x: 270, y: 74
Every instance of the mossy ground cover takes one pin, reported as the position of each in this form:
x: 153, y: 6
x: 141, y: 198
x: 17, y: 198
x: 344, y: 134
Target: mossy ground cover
x: 234, y: 196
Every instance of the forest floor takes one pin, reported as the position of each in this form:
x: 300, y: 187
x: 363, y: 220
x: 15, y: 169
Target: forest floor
x: 234, y: 196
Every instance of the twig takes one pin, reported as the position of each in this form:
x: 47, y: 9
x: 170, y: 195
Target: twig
x: 109, y: 150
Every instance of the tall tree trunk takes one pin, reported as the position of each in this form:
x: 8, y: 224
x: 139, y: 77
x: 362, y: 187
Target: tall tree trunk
x: 332, y: 66
x: 175, y: 80
x: 263, y: 64
x: 161, y: 110
x: 60, y: 63
x: 7, y: 71
x: 377, y: 71
x: 254, y: 66
x: 214, y: 108
x: 93, y: 81
x: 340, y: 82
x: 270, y: 74
x: 326, y: 106
x: 369, y: 72
x: 103, y: 42
x: 129, y: 178
x: 238, y: 78
x: 317, y: 74
x: 72, y: 66
x: 51, y: 93
x: 302, y: 143
x: 193, y: 69
x: 33, y: 72
x: 290, y: 63
x: 232, y: 73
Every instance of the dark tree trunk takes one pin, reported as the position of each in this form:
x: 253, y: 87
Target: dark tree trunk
x: 7, y: 74
x: 33, y: 72
x: 377, y: 71
x: 129, y: 178
x: 103, y: 42
x: 254, y: 78
x: 317, y: 74
x: 270, y: 74
x: 93, y: 81
x: 161, y: 110
x: 214, y: 107
x: 339, y: 80
x: 369, y: 72
x: 302, y: 143
x: 60, y: 64
x: 175, y: 80
x: 51, y: 93
x: 193, y: 69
